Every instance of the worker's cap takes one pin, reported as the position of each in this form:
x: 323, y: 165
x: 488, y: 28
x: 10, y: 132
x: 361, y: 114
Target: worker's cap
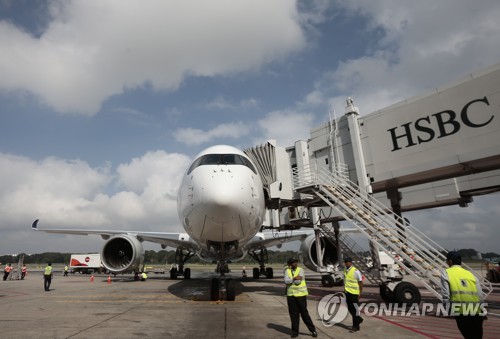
x: 291, y: 261
x: 347, y: 259
x: 454, y: 257
x: 49, y: 263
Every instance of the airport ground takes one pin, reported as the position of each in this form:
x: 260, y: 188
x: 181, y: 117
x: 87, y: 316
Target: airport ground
x: 75, y: 307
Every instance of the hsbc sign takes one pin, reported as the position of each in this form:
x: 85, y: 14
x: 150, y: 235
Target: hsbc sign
x: 438, y: 125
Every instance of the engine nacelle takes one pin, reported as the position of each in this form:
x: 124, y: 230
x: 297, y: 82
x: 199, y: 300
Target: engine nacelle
x: 122, y: 254
x: 309, y: 256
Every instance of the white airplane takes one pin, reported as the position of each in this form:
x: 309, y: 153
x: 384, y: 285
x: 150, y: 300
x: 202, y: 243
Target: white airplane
x: 221, y: 204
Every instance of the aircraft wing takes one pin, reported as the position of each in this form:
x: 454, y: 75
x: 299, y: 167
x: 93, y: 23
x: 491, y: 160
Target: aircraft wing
x: 176, y: 240
x: 269, y: 239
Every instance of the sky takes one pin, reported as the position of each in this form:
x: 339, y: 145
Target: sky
x: 103, y: 104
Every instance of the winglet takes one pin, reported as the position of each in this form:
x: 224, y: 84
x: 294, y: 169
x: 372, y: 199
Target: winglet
x: 34, y: 226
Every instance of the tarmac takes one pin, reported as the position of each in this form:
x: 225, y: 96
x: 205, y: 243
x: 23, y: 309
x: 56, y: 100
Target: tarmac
x: 75, y: 307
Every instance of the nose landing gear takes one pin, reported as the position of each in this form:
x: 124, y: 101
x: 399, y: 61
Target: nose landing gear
x: 222, y: 288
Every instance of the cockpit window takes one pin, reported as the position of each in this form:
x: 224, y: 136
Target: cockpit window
x: 221, y: 159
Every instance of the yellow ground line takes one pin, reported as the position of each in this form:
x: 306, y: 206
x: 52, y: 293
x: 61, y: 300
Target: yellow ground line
x: 121, y: 301
x: 152, y: 301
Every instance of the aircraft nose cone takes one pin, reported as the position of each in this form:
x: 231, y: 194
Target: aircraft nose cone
x: 223, y: 198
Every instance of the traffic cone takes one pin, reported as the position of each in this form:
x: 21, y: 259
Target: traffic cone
x: 109, y: 279
x: 92, y: 279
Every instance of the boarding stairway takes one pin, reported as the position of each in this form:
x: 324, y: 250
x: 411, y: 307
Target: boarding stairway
x: 20, y: 267
x: 350, y: 248
x: 422, y: 257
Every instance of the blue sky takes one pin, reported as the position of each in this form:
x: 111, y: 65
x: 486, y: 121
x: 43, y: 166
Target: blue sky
x: 104, y: 103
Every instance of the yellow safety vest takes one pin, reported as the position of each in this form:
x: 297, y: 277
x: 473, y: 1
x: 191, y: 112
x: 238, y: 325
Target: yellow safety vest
x: 48, y: 270
x: 296, y: 290
x: 463, y: 290
x: 350, y: 283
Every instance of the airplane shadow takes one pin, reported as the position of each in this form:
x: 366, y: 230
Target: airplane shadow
x: 199, y: 288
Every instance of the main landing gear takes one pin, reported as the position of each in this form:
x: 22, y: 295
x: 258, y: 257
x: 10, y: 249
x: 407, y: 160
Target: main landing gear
x: 222, y: 287
x: 261, y: 257
x: 178, y: 269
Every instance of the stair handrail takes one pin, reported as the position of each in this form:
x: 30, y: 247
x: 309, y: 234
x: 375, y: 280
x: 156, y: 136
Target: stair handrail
x: 420, y: 243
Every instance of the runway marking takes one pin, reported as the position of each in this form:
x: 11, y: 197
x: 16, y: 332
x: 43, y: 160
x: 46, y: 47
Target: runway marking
x: 124, y: 301
x: 438, y: 327
x: 407, y: 327
x: 12, y: 294
x: 154, y: 301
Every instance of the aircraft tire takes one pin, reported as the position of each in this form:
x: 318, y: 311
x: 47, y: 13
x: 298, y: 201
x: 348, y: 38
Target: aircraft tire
x: 230, y: 290
x: 187, y: 273
x: 269, y: 272
x: 173, y: 273
x: 256, y: 273
x: 327, y: 281
x: 214, y: 290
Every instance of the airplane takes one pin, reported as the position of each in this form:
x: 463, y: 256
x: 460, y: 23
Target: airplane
x: 221, y: 204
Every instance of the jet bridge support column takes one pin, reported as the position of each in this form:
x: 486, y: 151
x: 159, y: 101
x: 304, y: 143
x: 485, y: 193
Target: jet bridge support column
x: 336, y: 231
x: 352, y: 114
x: 317, y: 233
x: 395, y: 197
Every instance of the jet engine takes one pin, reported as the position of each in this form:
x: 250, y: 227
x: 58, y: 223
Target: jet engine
x: 308, y: 254
x: 122, y: 254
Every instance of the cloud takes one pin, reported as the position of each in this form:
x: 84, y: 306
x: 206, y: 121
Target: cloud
x: 154, y: 173
x: 49, y: 187
x: 91, y: 50
x: 454, y: 227
x: 415, y: 48
x: 221, y: 103
x: 194, y: 136
x: 140, y: 195
x: 285, y: 127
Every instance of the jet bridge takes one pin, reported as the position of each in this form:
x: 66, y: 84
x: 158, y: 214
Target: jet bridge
x: 437, y: 149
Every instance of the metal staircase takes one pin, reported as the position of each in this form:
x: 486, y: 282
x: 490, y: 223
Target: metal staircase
x: 422, y: 258
x: 20, y: 267
x: 350, y: 248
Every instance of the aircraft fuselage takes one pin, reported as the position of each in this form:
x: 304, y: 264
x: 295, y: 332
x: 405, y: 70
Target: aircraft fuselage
x: 221, y: 202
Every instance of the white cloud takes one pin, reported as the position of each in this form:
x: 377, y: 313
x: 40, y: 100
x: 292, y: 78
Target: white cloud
x: 220, y: 103
x: 223, y: 103
x: 419, y: 49
x: 94, y: 49
x: 71, y: 194
x: 285, y: 127
x: 194, y: 136
x: 454, y: 227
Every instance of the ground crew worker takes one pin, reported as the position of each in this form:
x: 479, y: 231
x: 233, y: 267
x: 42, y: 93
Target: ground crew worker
x: 296, y: 297
x: 460, y: 288
x: 65, y: 271
x: 353, y: 286
x: 47, y: 276
x: 244, y: 272
x: 24, y: 271
x: 6, y: 271
x: 144, y: 276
